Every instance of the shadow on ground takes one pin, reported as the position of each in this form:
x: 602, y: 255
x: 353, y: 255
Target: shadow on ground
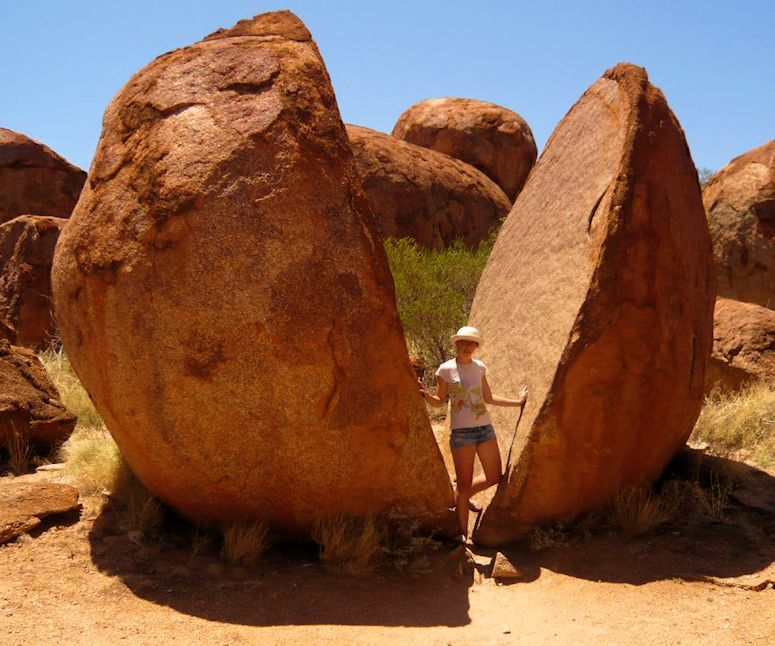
x: 738, y: 544
x: 287, y: 587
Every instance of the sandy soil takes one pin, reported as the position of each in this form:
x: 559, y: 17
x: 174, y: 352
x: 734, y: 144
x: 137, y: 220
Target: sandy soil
x: 84, y: 581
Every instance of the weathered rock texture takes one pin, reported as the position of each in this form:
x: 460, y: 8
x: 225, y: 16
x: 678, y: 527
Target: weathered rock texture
x: 224, y: 298
x: 26, y: 252
x: 24, y: 504
x: 29, y: 401
x: 34, y: 179
x: 599, y: 295
x: 743, y: 345
x: 423, y: 194
x: 740, y: 203
x: 491, y: 138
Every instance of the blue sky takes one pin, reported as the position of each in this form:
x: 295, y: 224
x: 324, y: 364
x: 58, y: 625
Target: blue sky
x: 62, y: 62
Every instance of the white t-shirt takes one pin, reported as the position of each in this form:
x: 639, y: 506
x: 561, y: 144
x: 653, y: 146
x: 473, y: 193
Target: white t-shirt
x: 466, y: 397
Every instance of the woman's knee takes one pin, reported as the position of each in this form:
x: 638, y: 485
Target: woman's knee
x: 493, y: 479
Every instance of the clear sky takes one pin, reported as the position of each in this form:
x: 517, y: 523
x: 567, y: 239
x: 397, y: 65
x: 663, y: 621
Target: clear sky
x: 61, y: 61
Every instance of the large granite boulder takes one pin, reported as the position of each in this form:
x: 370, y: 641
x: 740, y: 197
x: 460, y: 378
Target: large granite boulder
x: 599, y: 295
x: 740, y: 203
x: 29, y: 401
x: 491, y: 138
x: 743, y: 345
x: 24, y: 504
x: 224, y: 297
x: 34, y: 179
x: 26, y: 252
x: 419, y: 193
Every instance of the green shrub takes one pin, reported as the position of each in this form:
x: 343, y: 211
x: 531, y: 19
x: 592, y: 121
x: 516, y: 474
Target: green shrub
x: 434, y: 292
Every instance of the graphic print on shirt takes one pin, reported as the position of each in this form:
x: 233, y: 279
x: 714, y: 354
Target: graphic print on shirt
x: 460, y: 397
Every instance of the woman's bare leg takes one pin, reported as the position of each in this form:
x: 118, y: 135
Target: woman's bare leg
x: 464, y: 470
x: 490, y: 457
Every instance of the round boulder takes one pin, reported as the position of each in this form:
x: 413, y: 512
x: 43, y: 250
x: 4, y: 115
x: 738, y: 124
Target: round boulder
x: 740, y: 204
x: 419, y: 193
x: 599, y: 295
x: 491, y: 138
x: 34, y: 179
x: 224, y: 297
x: 743, y: 345
x: 26, y: 252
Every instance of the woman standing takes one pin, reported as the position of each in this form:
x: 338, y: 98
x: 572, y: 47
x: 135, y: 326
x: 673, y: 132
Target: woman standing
x: 463, y: 380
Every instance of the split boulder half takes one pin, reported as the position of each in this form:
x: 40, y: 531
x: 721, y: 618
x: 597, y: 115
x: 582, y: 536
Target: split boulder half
x: 740, y: 202
x: 225, y: 300
x: 599, y: 295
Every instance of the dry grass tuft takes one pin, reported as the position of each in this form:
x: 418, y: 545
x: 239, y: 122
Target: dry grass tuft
x: 17, y: 445
x: 638, y: 510
x: 244, y: 543
x: 351, y: 545
x: 72, y: 394
x: 549, y: 538
x: 741, y: 422
x: 92, y: 459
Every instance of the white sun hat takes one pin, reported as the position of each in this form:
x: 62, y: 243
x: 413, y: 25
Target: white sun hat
x: 467, y: 333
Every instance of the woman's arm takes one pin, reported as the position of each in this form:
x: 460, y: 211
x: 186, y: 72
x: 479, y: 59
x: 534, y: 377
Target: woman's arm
x: 497, y: 400
x: 439, y: 398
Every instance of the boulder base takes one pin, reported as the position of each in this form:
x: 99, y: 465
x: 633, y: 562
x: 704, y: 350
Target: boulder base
x: 491, y: 138
x: 599, y: 295
x: 419, y: 193
x: 224, y: 298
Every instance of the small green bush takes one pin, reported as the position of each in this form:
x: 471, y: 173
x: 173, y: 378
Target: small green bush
x: 434, y: 292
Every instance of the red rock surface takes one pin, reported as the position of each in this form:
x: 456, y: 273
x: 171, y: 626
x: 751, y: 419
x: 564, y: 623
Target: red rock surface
x: 34, y: 179
x: 24, y: 504
x: 419, y: 193
x: 491, y: 138
x: 743, y: 345
x: 26, y: 253
x: 29, y: 401
x: 599, y: 295
x: 224, y: 298
x: 740, y: 203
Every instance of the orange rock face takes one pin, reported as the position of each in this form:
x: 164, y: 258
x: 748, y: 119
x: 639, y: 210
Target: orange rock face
x: 491, y: 138
x: 26, y: 253
x: 418, y: 193
x: 34, y: 179
x: 599, y: 295
x: 224, y: 298
x: 29, y: 401
x: 740, y: 203
x: 743, y: 345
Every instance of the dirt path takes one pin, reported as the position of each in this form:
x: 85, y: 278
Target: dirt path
x: 85, y: 582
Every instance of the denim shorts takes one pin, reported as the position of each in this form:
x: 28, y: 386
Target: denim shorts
x: 474, y: 435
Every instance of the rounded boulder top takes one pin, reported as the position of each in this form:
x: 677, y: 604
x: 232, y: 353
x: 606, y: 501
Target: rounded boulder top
x: 493, y: 139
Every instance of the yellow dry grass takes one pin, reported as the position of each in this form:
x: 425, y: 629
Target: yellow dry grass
x: 17, y: 447
x: 740, y: 424
x: 351, y: 545
x: 244, y: 543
